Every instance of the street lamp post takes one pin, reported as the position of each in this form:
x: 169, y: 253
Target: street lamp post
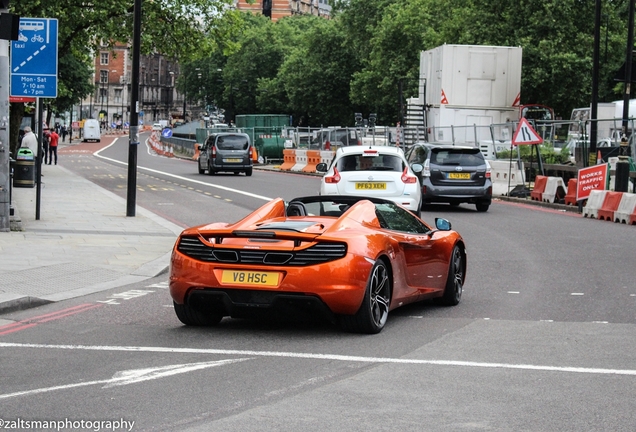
x: 185, y: 92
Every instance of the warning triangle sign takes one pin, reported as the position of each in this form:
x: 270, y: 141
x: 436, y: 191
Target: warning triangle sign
x: 525, y: 134
x: 444, y: 101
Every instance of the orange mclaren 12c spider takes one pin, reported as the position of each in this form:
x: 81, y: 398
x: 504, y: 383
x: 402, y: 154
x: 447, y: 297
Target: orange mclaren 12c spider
x: 352, y: 259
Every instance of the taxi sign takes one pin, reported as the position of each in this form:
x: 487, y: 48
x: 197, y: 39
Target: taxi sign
x: 34, y: 59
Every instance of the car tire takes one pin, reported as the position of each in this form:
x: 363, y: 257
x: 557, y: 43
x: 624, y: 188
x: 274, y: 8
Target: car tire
x: 210, y: 170
x: 482, y: 207
x: 248, y: 172
x: 455, y: 281
x: 201, y: 170
x: 374, y: 311
x: 192, y: 317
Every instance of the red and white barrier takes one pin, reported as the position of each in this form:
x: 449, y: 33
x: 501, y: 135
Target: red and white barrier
x: 551, y: 191
x: 301, y: 160
x: 611, y: 206
x: 626, y: 212
x: 594, y: 203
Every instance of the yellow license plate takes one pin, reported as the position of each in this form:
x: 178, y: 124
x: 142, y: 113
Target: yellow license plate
x: 461, y: 176
x: 232, y: 160
x: 252, y: 278
x: 370, y: 185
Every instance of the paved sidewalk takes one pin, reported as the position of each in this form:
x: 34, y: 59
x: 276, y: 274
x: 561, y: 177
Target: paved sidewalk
x: 82, y: 243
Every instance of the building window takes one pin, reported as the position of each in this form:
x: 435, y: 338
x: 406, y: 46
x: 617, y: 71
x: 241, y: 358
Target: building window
x: 118, y: 93
x: 103, y: 76
x: 103, y: 58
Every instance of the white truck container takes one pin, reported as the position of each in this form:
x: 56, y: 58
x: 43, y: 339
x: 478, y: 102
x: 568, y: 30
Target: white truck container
x: 609, y: 115
x: 469, y: 87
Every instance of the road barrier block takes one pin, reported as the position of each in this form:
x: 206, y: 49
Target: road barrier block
x: 301, y: 160
x: 626, y: 212
x: 610, y: 205
x: 289, y: 159
x: 326, y: 156
x: 554, y: 190
x: 505, y: 176
x: 594, y: 203
x: 313, y: 159
x: 570, y: 196
x: 539, y: 186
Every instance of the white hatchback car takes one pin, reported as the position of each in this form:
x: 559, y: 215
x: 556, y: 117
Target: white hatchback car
x: 374, y: 171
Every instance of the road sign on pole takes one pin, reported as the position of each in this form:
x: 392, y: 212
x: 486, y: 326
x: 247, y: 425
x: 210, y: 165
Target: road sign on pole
x: 34, y: 59
x: 525, y: 134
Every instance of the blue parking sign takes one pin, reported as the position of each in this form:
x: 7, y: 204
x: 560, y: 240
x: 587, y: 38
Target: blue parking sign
x: 34, y: 59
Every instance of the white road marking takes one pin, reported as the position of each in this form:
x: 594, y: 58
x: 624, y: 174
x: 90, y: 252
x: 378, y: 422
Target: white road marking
x: 577, y: 294
x: 261, y: 197
x: 513, y: 292
x: 337, y: 357
x: 130, y: 377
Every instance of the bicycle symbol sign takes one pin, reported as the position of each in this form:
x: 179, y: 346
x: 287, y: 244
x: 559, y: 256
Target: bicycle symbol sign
x: 34, y: 58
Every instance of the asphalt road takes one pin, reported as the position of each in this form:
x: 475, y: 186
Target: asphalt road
x: 542, y: 341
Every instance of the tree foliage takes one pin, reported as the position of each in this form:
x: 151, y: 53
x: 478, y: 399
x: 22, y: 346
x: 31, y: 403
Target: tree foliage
x: 322, y: 71
x: 179, y: 29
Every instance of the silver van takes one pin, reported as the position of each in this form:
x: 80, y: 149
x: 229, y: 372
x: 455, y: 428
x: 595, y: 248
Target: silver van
x: 91, y: 131
x: 226, y: 152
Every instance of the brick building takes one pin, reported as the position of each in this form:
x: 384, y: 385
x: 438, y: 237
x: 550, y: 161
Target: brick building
x: 110, y: 102
x: 277, y: 9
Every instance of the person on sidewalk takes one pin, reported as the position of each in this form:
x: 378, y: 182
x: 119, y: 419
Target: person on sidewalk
x: 53, y: 146
x: 30, y: 140
x: 46, y: 138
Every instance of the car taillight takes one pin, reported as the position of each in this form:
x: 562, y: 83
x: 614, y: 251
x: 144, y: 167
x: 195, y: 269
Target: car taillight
x: 213, y: 152
x: 406, y: 178
x: 251, y: 153
x: 426, y: 172
x: 488, y: 170
x: 335, y: 178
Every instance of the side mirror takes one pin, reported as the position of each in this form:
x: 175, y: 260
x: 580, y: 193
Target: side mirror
x: 417, y: 168
x: 321, y: 167
x: 442, y: 224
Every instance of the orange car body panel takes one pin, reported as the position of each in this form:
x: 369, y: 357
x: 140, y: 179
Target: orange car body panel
x: 419, y: 263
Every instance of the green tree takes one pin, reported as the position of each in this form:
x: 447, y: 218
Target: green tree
x: 316, y: 75
x: 180, y: 29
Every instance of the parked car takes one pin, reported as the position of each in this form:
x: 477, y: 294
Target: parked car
x: 228, y: 152
x: 157, y: 127
x: 374, y: 171
x: 91, y: 131
x: 452, y: 174
x: 349, y: 259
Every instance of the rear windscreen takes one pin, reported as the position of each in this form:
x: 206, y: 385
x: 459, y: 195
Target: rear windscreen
x: 457, y: 157
x: 232, y: 142
x: 370, y: 163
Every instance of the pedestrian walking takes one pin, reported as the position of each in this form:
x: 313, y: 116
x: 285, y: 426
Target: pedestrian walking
x: 46, y: 139
x: 30, y: 140
x: 64, y: 131
x: 53, y: 147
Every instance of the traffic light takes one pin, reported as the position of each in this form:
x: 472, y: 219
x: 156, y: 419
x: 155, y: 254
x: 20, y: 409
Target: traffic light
x: 9, y: 26
x: 372, y: 119
x: 359, y: 121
